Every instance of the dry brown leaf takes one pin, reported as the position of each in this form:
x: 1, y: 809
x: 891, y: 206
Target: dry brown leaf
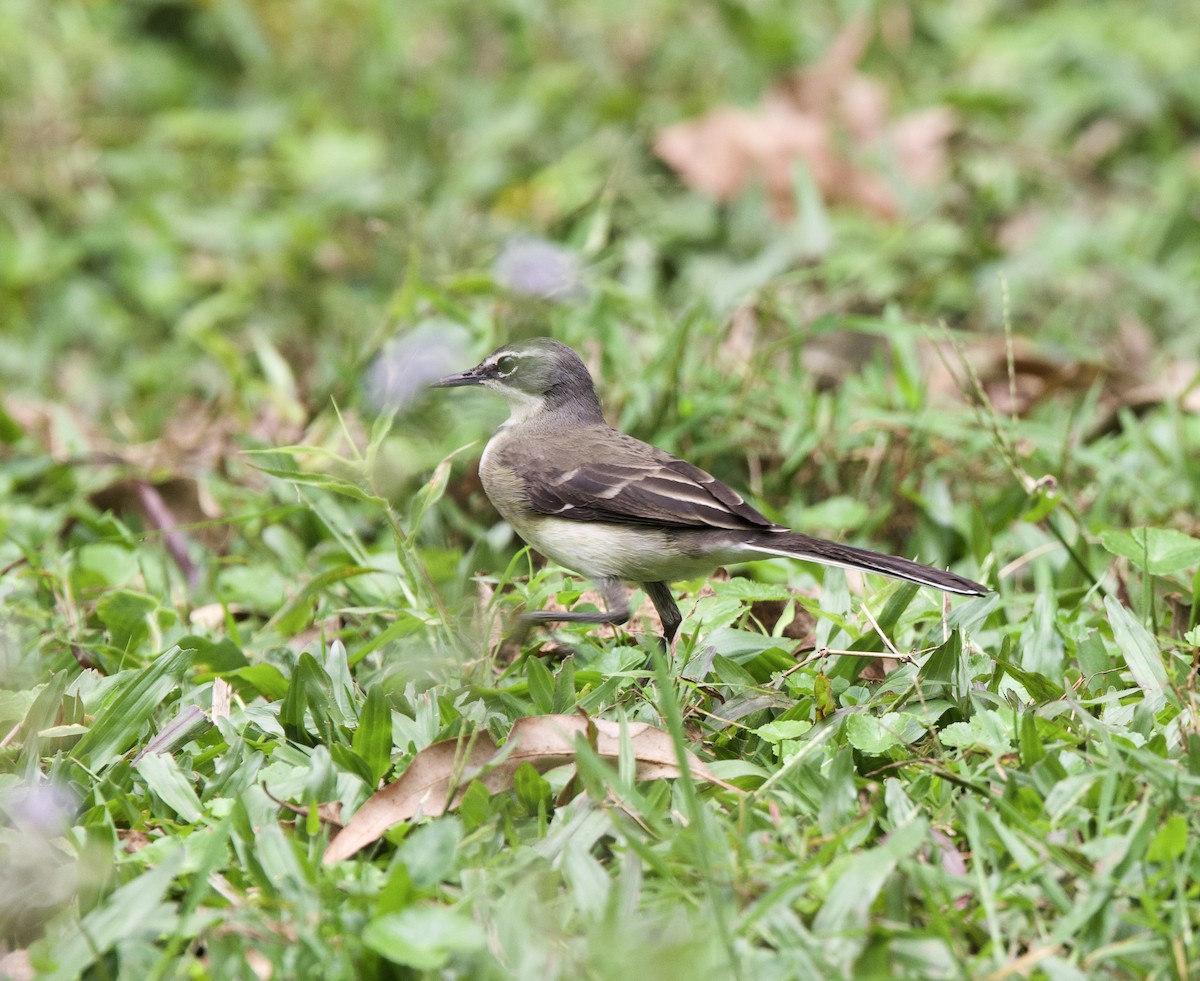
x: 736, y: 351
x: 424, y: 788
x: 222, y: 699
x: 439, y: 775
x: 817, y: 88
x: 133, y: 841
x: 828, y: 116
x: 919, y: 141
x: 17, y: 965
x: 1133, y: 374
x: 1037, y: 374
x: 208, y: 617
x: 1018, y: 233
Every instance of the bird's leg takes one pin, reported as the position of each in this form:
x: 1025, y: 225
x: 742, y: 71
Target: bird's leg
x: 615, y: 598
x: 668, y: 611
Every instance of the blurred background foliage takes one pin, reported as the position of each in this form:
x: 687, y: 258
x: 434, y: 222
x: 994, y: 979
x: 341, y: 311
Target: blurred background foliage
x: 246, y: 225
x: 186, y: 185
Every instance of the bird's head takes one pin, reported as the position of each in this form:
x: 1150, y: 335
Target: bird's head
x: 535, y: 376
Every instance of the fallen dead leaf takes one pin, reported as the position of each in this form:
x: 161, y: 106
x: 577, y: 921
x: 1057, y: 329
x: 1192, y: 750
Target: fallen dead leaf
x: 17, y: 965
x: 919, y: 141
x: 828, y: 116
x: 439, y: 775
x: 1133, y: 374
x: 1037, y: 374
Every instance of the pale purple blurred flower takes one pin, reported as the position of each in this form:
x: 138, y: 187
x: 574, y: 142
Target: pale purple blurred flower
x: 538, y: 268
x: 45, y: 808
x: 38, y: 875
x: 408, y: 363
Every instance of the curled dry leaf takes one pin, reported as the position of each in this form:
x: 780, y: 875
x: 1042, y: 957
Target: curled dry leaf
x: 438, y: 776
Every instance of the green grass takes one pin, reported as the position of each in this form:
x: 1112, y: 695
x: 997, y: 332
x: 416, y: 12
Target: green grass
x: 236, y: 597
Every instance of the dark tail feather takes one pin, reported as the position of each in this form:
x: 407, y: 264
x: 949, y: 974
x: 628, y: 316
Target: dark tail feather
x: 831, y: 553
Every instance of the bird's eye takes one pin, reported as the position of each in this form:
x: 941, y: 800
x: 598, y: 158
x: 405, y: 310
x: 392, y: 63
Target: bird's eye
x: 506, y: 365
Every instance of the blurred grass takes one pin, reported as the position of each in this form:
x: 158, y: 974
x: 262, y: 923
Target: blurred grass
x: 213, y: 217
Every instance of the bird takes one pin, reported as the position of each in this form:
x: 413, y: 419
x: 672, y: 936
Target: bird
x: 617, y: 510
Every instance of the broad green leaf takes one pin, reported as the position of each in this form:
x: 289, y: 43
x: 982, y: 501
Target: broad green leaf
x: 1140, y: 650
x: 779, y: 730
x: 947, y: 665
x: 1032, y: 748
x: 266, y: 678
x: 297, y: 613
x: 841, y: 512
x: 261, y: 588
x: 350, y: 761
x: 1170, y: 841
x: 431, y: 851
x: 311, y: 688
x: 404, y: 625
x: 103, y: 564
x: 430, y: 494
x: 869, y: 734
x: 166, y: 781
x: 843, y: 919
x: 283, y: 870
x: 216, y: 656
x: 767, y: 664
x: 423, y: 937
x: 14, y: 704
x: 1159, y: 551
x: 373, y: 737
x: 1041, y: 647
x: 564, y: 687
x: 541, y: 685
x: 748, y: 590
x: 717, y: 611
x: 532, y: 789
x: 1040, y: 688
x: 732, y: 673
x: 988, y: 730
x: 125, y: 613
x: 476, y: 807
x: 847, y: 666
x: 119, y: 722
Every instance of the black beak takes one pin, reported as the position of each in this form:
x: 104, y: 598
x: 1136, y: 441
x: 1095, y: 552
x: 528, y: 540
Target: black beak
x: 472, y: 376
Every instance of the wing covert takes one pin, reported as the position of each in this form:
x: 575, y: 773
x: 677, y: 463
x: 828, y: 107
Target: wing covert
x: 660, y: 491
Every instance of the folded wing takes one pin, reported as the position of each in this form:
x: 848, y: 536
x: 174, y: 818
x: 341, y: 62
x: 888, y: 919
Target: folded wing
x: 643, y: 485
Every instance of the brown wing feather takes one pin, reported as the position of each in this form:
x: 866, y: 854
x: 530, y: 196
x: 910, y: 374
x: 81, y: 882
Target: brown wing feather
x: 627, y: 480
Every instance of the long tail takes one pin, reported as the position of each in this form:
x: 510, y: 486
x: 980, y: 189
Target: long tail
x: 796, y: 545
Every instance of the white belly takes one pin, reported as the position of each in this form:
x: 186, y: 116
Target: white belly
x: 598, y: 550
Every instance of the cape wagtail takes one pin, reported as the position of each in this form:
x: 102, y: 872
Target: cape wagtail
x: 617, y: 510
